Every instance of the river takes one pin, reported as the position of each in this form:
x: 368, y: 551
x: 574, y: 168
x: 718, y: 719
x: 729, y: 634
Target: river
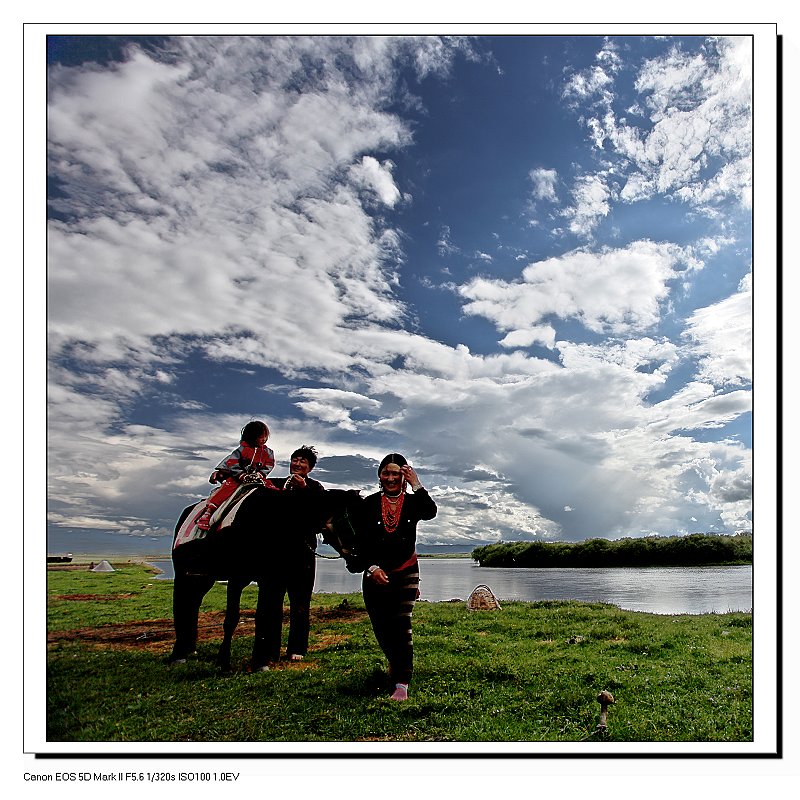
x: 658, y: 590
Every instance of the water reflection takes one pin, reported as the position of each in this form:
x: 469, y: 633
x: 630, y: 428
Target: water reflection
x: 659, y: 590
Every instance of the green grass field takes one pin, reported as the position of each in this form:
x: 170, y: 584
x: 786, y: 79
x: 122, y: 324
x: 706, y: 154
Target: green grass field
x: 529, y: 672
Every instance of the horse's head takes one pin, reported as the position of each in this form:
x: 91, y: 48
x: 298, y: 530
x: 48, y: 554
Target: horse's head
x: 339, y: 531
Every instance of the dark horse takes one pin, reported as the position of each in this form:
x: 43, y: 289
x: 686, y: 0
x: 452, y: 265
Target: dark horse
x: 246, y: 551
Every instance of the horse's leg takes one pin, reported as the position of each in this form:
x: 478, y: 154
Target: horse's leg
x: 233, y: 605
x: 269, y: 621
x: 188, y: 592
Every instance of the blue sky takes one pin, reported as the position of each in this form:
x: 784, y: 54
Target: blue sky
x: 524, y: 262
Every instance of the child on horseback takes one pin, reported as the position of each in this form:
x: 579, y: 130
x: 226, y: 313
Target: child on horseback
x: 251, y: 458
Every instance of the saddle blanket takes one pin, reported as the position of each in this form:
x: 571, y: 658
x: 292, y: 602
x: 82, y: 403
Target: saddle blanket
x: 221, y: 518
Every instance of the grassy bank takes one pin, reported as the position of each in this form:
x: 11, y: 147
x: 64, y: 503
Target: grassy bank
x: 529, y: 672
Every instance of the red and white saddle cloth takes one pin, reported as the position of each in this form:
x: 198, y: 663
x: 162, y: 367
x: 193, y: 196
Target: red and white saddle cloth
x: 221, y: 518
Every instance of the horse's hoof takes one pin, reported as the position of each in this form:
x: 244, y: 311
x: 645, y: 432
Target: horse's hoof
x: 223, y: 660
x: 179, y: 658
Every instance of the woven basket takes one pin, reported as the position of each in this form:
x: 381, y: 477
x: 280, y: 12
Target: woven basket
x: 482, y: 599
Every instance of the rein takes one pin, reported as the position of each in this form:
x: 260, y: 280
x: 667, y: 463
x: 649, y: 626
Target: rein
x: 344, y: 518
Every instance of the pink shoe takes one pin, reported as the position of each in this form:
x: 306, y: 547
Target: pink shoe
x: 204, y: 520
x: 400, y: 692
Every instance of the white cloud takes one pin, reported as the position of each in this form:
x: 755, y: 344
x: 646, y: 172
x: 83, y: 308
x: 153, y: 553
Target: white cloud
x: 609, y: 56
x: 697, y: 406
x: 484, y: 512
x: 377, y: 177
x: 589, y: 85
x: 544, y: 183
x: 721, y: 337
x: 583, y: 428
x: 335, y: 406
x: 201, y: 180
x: 204, y: 205
x: 698, y: 143
x: 614, y: 290
x: 591, y: 196
x: 637, y: 187
x: 445, y: 244
x: 545, y: 334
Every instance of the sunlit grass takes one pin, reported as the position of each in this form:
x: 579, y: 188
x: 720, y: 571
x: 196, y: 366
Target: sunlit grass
x: 528, y: 672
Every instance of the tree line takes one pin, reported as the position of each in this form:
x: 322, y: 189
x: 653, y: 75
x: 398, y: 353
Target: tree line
x: 697, y: 549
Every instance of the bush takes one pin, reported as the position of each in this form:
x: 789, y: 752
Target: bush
x: 697, y: 549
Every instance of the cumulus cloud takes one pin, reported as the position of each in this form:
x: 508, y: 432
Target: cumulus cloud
x: 334, y: 405
x: 613, y: 290
x: 544, y: 334
x: 544, y: 183
x: 584, y: 428
x: 377, y: 176
x: 721, y: 338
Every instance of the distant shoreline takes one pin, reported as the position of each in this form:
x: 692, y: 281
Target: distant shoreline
x: 84, y: 559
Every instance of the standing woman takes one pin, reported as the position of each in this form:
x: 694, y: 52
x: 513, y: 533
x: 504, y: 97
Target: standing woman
x: 387, y: 552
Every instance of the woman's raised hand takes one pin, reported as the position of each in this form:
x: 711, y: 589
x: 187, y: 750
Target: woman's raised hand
x: 411, y: 476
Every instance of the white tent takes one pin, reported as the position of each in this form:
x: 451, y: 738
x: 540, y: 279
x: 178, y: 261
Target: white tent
x: 103, y: 566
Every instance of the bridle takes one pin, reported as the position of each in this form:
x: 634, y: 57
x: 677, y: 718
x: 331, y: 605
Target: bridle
x: 345, y: 518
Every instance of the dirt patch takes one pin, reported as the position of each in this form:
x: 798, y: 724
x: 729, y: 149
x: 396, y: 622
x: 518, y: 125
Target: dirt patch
x: 87, y: 566
x: 325, y: 641
x: 118, y: 596
x: 158, y: 635
x: 337, y: 614
x: 155, y: 635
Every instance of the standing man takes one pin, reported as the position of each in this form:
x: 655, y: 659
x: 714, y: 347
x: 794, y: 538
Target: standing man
x: 294, y: 572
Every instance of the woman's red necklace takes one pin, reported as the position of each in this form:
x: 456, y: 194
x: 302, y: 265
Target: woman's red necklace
x: 391, y: 510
